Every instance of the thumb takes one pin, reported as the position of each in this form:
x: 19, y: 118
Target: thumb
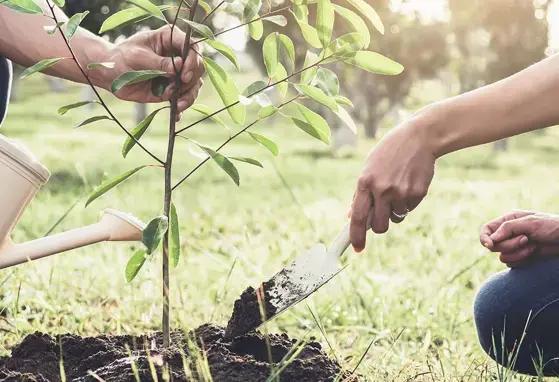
x: 152, y: 61
x: 512, y: 228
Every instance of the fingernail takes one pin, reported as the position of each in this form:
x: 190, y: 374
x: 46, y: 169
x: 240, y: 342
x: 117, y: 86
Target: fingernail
x: 523, y: 240
x: 486, y: 244
x: 188, y: 77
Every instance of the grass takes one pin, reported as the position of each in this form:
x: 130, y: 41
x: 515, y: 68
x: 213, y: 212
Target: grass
x: 409, y: 294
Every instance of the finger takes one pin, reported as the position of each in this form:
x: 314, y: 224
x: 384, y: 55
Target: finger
x: 488, y: 229
x: 381, y: 216
x: 193, y: 67
x: 518, y: 255
x: 399, y: 207
x: 512, y: 228
x: 178, y: 117
x: 359, y: 216
x: 186, y: 100
x: 170, y: 42
x: 510, y: 245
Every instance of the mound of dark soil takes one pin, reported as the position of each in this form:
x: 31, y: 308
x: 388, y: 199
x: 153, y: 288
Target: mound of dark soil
x: 245, y: 358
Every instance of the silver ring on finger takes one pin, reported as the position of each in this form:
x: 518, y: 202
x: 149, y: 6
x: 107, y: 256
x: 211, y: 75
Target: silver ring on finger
x: 401, y: 216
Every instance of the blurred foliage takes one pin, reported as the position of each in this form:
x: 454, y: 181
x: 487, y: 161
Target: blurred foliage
x: 497, y: 38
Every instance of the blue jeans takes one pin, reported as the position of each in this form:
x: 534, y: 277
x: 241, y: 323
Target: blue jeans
x: 515, y: 300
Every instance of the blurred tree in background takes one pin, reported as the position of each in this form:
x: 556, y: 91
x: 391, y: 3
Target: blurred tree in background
x: 495, y: 39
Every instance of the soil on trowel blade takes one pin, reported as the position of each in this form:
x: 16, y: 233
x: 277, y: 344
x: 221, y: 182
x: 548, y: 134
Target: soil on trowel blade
x: 247, y: 314
x: 245, y: 358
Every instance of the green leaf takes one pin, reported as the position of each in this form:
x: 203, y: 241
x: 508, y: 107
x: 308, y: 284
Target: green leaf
x: 154, y: 232
x: 73, y: 24
x: 224, y: 163
x: 138, y: 132
x: 324, y: 21
x: 127, y: 17
x: 311, y: 130
x: 318, y: 126
x: 308, y: 75
x: 203, y: 109
x: 281, y: 74
x: 110, y: 184
x: 109, y: 65
x: 251, y: 161
x: 355, y: 22
x: 289, y: 47
x: 341, y: 100
x: 51, y: 29
x: 64, y: 109
x: 131, y: 78
x: 59, y: 3
x: 346, y: 118
x: 201, y: 29
x: 266, y: 142
x: 23, y: 6
x: 174, y: 237
x: 270, y: 51
x: 225, y: 50
x: 40, y: 66
x: 267, y: 111
x: 251, y: 9
x: 301, y: 12
x: 255, y: 87
x: 375, y: 63
x: 205, y: 6
x: 350, y: 42
x: 134, y: 265
x: 158, y: 85
x: 309, y: 33
x: 227, y: 90
x: 369, y: 13
x: 327, y: 81
x: 276, y: 19
x: 318, y: 95
x: 149, y: 7
x: 256, y: 29
x: 91, y: 120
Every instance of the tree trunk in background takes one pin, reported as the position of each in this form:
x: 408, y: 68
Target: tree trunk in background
x: 501, y: 146
x: 140, y: 112
x: 87, y: 95
x: 371, y: 125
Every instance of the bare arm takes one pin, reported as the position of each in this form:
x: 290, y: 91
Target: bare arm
x: 400, y: 168
x: 24, y: 40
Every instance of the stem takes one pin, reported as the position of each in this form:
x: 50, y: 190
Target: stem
x: 250, y: 95
x: 241, y: 25
x: 114, y: 118
x: 227, y: 141
x: 168, y: 173
x: 213, y: 11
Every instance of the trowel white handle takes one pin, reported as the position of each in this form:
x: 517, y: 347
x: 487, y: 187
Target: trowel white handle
x: 341, y: 243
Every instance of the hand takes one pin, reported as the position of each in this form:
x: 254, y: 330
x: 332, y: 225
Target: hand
x: 150, y: 51
x: 396, y: 178
x: 522, y: 236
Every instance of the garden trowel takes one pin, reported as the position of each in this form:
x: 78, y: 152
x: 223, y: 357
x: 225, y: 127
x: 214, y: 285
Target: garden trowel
x: 291, y: 285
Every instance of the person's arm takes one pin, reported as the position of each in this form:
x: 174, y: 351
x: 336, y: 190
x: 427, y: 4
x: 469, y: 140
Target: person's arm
x: 24, y: 40
x: 400, y: 167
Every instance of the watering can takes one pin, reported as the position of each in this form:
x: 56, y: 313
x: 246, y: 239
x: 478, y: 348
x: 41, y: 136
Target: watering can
x: 21, y: 177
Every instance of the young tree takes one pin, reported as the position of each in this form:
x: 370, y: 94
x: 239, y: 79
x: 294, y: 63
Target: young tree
x: 308, y: 80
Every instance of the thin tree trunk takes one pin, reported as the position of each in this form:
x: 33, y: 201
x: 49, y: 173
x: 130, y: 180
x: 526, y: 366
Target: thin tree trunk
x: 501, y: 146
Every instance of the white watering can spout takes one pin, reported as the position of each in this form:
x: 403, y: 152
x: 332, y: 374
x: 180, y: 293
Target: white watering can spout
x: 21, y: 176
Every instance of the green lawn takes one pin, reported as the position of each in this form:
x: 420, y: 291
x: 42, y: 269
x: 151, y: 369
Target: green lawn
x: 411, y: 291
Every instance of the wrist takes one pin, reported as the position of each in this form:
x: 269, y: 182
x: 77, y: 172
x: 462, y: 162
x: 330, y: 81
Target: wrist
x: 428, y: 126
x: 99, y: 51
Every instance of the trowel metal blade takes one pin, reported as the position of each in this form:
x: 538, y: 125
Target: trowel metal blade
x: 302, y: 278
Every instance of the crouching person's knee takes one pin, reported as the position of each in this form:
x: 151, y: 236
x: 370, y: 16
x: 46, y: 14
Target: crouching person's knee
x: 512, y: 324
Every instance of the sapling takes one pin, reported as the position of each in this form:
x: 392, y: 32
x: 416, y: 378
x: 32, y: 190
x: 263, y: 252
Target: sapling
x: 294, y: 82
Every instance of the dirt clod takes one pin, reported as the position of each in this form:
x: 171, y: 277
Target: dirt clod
x: 247, y: 314
x: 245, y: 358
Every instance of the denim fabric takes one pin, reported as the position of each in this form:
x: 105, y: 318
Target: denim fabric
x: 5, y: 86
x: 516, y: 299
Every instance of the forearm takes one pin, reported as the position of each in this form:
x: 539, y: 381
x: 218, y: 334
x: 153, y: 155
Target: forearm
x: 25, y: 41
x: 523, y: 102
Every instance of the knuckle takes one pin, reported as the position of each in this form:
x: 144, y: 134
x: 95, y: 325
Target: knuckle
x: 364, y: 182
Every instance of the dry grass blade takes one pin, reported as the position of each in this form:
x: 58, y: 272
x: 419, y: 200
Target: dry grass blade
x: 222, y: 293
x: 323, y: 331
x: 132, y: 363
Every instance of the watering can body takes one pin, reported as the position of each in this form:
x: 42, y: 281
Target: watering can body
x: 21, y: 177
